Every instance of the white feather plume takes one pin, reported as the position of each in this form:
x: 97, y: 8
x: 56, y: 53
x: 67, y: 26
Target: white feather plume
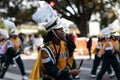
x: 9, y: 24
x: 4, y: 33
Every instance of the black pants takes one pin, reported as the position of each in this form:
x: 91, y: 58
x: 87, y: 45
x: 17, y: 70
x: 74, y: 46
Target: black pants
x: 89, y: 51
x: 67, y: 78
x: 107, y: 61
x: 2, y: 59
x: 96, y: 63
x: 7, y: 63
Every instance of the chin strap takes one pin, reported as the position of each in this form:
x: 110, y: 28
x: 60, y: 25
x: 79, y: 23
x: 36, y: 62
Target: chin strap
x: 58, y: 36
x: 55, y: 34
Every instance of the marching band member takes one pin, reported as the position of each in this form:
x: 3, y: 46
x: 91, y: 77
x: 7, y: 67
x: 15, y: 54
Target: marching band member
x: 97, y: 59
x: 3, y: 47
x: 11, y: 51
x: 17, y: 46
x: 7, y: 49
x: 115, y: 42
x: 109, y: 59
x: 54, y: 54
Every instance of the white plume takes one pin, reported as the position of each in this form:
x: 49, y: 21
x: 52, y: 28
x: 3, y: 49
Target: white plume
x: 106, y: 32
x: 9, y: 24
x: 4, y: 33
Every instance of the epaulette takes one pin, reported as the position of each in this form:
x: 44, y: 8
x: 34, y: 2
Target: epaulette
x: 46, y: 44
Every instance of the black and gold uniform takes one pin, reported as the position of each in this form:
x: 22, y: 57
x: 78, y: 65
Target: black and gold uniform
x: 17, y: 43
x: 108, y: 59
x: 55, y: 54
x: 115, y: 43
x: 98, y: 59
x: 8, y: 52
x: 56, y: 61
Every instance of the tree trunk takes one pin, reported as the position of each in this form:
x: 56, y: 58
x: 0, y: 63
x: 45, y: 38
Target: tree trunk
x: 83, y: 27
x: 83, y: 23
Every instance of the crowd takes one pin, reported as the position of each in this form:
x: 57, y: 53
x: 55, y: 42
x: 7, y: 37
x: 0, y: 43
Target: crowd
x: 32, y: 43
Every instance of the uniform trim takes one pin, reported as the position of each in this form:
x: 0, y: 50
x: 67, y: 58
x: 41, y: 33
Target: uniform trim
x: 99, y: 46
x: 50, y: 54
x: 45, y: 60
x: 110, y: 47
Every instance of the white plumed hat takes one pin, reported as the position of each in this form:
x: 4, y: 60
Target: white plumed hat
x: 14, y: 32
x: 10, y: 24
x: 115, y: 34
x: 48, y: 16
x: 106, y: 32
x: 4, y: 33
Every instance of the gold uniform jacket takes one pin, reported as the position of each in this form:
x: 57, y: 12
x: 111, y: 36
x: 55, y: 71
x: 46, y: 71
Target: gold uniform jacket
x: 16, y: 43
x: 97, y: 48
x: 115, y: 44
x: 54, y: 59
x: 7, y: 48
x: 107, y: 48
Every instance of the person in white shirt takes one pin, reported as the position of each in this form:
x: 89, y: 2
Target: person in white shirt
x: 38, y: 41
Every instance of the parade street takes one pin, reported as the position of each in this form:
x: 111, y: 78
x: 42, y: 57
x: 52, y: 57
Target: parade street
x: 13, y: 73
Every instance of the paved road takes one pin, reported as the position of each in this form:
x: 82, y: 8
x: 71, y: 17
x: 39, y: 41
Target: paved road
x: 14, y: 73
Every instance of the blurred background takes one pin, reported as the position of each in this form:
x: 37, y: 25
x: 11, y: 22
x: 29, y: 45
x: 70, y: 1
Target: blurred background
x: 80, y: 17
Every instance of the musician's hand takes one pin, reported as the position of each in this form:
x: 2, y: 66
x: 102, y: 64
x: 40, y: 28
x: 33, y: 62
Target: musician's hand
x: 53, y: 79
x: 74, y: 71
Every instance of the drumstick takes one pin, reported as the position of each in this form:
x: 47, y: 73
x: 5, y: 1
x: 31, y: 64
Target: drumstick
x: 81, y: 62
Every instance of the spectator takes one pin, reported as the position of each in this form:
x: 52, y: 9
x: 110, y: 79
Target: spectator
x: 89, y: 45
x: 31, y: 37
x: 74, y: 36
x: 38, y: 41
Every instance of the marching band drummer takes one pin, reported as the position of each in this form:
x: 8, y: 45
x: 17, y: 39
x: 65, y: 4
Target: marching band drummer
x: 54, y: 54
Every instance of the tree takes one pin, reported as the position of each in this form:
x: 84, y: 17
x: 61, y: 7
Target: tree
x: 16, y: 9
x: 80, y: 11
x: 77, y: 11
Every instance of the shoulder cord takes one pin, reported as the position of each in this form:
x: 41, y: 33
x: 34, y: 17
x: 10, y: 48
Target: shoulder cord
x: 67, y: 51
x: 57, y: 52
x: 51, y: 55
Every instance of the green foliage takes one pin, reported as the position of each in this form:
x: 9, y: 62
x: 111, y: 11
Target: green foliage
x: 1, y: 24
x: 25, y: 15
x: 13, y: 10
x: 42, y: 32
x: 108, y: 17
x: 79, y: 11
